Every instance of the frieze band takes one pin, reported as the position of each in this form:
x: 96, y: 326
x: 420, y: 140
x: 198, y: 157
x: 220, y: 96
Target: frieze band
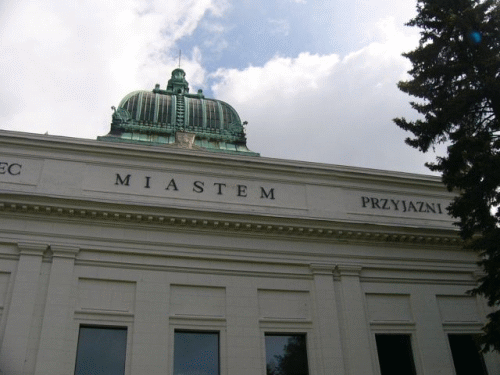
x: 199, y: 187
x: 14, y: 169
x: 241, y: 190
x: 401, y: 205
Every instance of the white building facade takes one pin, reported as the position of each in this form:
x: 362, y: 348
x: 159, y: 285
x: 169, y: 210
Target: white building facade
x: 147, y: 249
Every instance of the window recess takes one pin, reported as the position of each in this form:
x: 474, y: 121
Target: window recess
x: 101, y: 350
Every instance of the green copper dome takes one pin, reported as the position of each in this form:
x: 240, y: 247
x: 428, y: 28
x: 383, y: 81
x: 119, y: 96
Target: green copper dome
x: 156, y: 116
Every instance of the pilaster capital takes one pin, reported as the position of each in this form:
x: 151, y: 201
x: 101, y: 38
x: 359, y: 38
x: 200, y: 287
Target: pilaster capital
x: 322, y: 268
x: 32, y: 248
x: 64, y: 251
x: 349, y: 269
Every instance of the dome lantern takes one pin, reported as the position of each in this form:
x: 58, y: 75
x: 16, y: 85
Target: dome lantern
x: 178, y: 84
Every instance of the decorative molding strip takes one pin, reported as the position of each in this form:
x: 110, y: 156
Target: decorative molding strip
x: 200, y: 320
x: 281, y: 323
x: 469, y: 327
x: 378, y: 235
x: 104, y: 315
x: 415, y: 280
x: 392, y: 325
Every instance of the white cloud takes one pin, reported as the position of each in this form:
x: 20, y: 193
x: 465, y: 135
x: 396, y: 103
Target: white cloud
x: 325, y: 109
x: 216, y: 42
x: 281, y: 76
x: 64, y: 63
x: 279, y: 26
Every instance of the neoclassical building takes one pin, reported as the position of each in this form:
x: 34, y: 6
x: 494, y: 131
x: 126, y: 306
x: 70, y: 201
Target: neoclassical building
x: 167, y: 247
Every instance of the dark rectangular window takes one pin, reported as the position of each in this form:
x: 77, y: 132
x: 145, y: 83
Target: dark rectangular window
x: 196, y: 353
x: 101, y: 351
x: 395, y: 355
x: 466, y: 356
x: 286, y: 354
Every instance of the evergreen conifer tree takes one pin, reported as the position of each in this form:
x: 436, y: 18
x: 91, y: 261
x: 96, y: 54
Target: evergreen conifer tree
x: 456, y: 77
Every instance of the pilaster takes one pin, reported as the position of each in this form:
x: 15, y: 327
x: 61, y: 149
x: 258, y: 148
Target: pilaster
x: 434, y: 349
x: 327, y: 329
x: 357, y: 332
x: 52, y: 349
x: 20, y: 314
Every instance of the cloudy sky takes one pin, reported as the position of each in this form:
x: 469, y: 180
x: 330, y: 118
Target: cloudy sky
x: 315, y: 79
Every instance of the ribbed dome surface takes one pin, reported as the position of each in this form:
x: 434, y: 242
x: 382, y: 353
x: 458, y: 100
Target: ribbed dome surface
x: 155, y: 116
x: 163, y: 110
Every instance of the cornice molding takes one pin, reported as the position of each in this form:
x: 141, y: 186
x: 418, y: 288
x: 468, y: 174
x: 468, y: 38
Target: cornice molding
x: 325, y: 231
x: 86, y: 150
